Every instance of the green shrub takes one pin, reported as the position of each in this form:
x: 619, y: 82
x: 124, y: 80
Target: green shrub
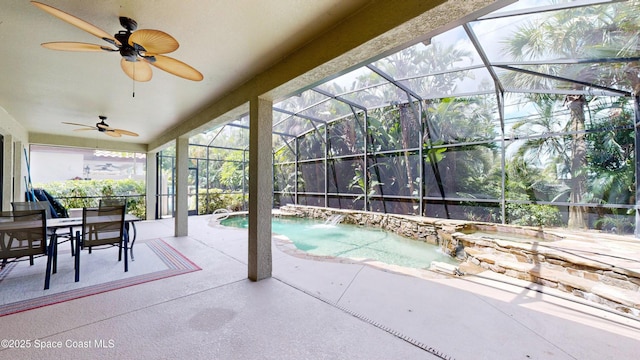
x: 87, y: 193
x: 533, y: 215
x: 216, y: 199
x: 617, y: 223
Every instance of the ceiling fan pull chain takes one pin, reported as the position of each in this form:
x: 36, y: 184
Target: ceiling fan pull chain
x: 134, y: 82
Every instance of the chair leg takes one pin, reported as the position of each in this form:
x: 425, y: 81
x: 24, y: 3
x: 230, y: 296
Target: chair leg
x: 77, y: 257
x: 54, y: 252
x: 133, y: 241
x: 126, y: 244
x: 121, y: 244
x: 73, y: 250
x: 47, y: 278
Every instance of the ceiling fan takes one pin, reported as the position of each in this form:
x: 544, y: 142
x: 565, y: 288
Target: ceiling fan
x: 106, y: 167
x: 138, y: 48
x: 103, y: 127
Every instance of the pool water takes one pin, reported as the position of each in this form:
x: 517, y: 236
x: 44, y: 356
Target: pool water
x: 351, y: 241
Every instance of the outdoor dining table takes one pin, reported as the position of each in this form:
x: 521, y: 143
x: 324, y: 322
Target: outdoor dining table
x: 58, y: 223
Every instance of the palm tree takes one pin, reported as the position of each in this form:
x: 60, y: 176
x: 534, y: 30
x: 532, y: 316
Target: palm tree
x: 456, y: 121
x: 575, y: 34
x: 612, y: 161
x: 397, y: 126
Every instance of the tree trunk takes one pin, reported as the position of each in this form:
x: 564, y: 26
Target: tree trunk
x: 577, y: 214
x: 408, y: 124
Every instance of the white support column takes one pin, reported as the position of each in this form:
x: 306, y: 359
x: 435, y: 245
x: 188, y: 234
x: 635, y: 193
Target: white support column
x: 7, y: 172
x: 19, y: 172
x: 151, y: 180
x: 260, y: 188
x: 181, y: 180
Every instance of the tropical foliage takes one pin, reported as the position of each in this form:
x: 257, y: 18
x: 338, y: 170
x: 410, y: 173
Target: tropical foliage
x: 590, y: 153
x: 218, y: 175
x: 74, y: 194
x: 562, y: 159
x: 432, y: 144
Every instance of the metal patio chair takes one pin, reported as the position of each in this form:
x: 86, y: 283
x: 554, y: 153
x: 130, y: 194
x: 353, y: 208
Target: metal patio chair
x: 24, y: 234
x: 102, y: 227
x: 48, y: 208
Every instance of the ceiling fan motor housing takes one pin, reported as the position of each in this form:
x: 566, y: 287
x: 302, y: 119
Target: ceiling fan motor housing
x: 126, y: 51
x: 102, y: 126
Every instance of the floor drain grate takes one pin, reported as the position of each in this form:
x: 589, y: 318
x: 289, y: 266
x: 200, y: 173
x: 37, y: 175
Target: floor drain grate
x: 382, y: 327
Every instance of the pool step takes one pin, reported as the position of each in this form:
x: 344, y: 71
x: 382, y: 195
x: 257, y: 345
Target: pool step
x: 616, y: 291
x: 444, y: 268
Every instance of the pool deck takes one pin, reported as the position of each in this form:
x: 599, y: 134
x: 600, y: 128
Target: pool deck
x: 622, y: 251
x: 313, y: 309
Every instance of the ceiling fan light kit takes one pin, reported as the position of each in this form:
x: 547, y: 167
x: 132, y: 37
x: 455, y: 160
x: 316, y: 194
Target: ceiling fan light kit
x: 139, y: 48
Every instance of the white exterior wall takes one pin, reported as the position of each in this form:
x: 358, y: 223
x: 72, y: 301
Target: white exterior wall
x: 13, y: 170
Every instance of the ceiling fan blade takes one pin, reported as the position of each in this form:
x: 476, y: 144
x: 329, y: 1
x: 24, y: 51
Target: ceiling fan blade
x: 137, y: 70
x: 125, y: 132
x: 176, y: 67
x: 91, y: 29
x: 75, y: 46
x: 112, y: 133
x: 154, y: 41
x: 70, y: 123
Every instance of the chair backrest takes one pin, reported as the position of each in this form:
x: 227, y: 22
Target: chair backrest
x: 23, y: 233
x: 33, y: 205
x: 103, y: 225
x: 110, y: 201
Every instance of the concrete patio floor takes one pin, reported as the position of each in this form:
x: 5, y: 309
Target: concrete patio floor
x: 315, y: 310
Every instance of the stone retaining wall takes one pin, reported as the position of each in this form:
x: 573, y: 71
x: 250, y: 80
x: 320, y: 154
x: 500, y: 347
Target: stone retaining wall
x: 541, y: 260
x: 414, y: 227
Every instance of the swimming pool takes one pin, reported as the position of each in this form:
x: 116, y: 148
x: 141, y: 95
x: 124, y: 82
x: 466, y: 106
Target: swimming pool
x: 352, y: 241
